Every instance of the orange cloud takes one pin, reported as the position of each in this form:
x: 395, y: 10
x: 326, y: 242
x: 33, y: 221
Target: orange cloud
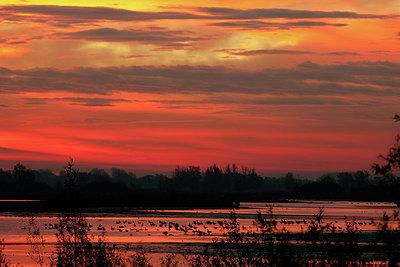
x: 293, y: 85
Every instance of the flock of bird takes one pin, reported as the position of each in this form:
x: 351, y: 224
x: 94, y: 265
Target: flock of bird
x: 166, y: 228
x: 334, y: 224
x: 196, y: 227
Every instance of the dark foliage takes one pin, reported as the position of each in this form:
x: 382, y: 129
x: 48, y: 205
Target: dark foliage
x: 391, y: 159
x: 76, y: 248
x: 3, y: 258
x: 320, y: 189
x: 321, y: 244
x: 189, y: 186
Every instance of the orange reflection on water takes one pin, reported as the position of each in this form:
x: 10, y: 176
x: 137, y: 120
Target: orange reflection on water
x: 165, y: 228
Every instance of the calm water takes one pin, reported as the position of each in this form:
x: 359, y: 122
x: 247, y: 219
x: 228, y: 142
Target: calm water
x: 167, y: 230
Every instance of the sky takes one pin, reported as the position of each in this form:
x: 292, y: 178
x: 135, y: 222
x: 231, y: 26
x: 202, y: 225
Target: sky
x: 295, y: 85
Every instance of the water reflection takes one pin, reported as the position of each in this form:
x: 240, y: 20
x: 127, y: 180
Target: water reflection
x: 173, y: 230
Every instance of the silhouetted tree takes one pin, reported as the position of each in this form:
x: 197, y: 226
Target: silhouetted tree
x: 76, y: 248
x: 214, y: 180
x: 71, y: 174
x: 327, y: 179
x: 169, y: 260
x: 70, y: 183
x: 100, y: 174
x: 389, y: 237
x: 48, y: 177
x: 139, y: 258
x: 255, y: 182
x: 5, y: 176
x: 361, y: 178
x: 392, y: 158
x: 187, y: 177
x: 324, y: 187
x: 389, y: 167
x: 3, y: 259
x: 345, y: 180
x: 23, y: 175
x: 37, y: 242
x: 74, y: 245
x: 289, y: 181
x: 121, y: 176
x: 214, y: 171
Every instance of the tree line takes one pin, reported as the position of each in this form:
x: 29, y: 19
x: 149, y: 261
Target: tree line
x: 233, y: 183
x: 215, y: 185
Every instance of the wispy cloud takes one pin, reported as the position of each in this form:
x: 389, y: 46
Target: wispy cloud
x: 84, y: 101
x: 291, y: 100
x: 368, y: 78
x: 158, y: 37
x: 81, y: 14
x: 20, y: 152
x: 342, y: 53
x: 243, y: 52
x: 136, y: 56
x: 230, y: 13
x: 271, y: 26
x: 64, y: 15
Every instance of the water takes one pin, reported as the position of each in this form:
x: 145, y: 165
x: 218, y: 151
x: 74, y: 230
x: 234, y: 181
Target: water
x: 175, y: 230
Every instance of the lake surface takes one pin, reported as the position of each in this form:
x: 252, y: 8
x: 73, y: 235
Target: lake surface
x: 175, y: 230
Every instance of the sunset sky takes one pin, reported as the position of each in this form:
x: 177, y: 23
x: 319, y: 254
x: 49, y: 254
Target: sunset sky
x: 302, y: 86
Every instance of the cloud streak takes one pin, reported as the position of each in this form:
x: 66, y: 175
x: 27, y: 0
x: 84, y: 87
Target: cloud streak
x: 242, y: 52
x: 262, y: 25
x: 365, y: 78
x: 77, y: 14
x: 84, y: 101
x: 20, y: 152
x: 264, y: 101
x: 82, y: 14
x: 230, y: 13
x: 158, y: 37
x: 342, y: 53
